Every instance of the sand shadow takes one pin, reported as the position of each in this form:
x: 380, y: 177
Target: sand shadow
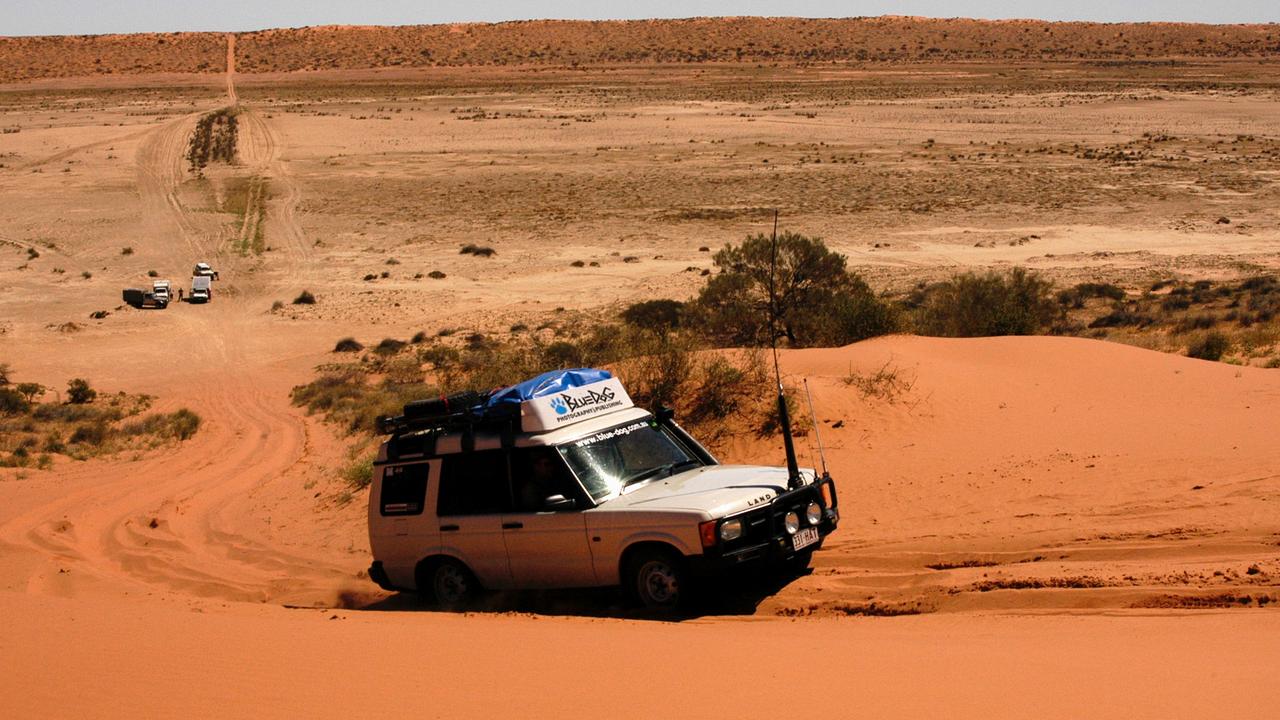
x: 731, y: 595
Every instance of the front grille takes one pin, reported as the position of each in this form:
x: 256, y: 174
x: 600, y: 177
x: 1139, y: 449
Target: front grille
x: 764, y: 524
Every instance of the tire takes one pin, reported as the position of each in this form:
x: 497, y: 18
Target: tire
x: 447, y: 584
x: 657, y: 580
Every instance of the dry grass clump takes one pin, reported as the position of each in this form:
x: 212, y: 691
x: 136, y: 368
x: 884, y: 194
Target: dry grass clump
x: 214, y: 139
x: 477, y: 250
x: 32, y: 433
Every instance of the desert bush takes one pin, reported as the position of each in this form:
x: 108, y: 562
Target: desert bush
x: 12, y: 402
x: 719, y: 393
x: 562, y: 354
x: 440, y: 355
x: 660, y: 315
x: 277, y: 306
x: 346, y: 399
x: 31, y: 390
x: 1121, y: 316
x: 89, y: 434
x: 972, y: 305
x: 436, y: 275
x: 348, y: 344
x: 1076, y: 296
x: 359, y: 472
x: 403, y: 370
x: 1212, y: 346
x: 305, y: 298
x: 179, y: 425
x: 1203, y: 321
x: 661, y: 364
x: 152, y: 274
x: 389, y: 346
x: 126, y: 251
x: 477, y: 250
x: 801, y: 291
x: 5, y: 373
x: 79, y: 392
x: 419, y: 337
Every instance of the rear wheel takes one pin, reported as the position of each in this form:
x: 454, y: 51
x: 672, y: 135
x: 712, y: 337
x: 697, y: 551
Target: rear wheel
x: 657, y: 580
x: 448, y: 584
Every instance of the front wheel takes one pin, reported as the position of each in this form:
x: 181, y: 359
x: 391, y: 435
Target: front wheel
x: 657, y: 580
x: 449, y: 584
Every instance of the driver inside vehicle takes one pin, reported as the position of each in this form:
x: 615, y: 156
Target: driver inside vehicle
x: 542, y: 477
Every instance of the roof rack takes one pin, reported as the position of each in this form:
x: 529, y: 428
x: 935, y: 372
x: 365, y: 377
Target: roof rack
x: 460, y: 411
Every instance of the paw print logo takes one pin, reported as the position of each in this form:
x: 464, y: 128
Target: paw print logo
x: 558, y: 405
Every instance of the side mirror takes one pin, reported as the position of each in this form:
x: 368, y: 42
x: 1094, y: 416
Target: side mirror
x: 559, y: 502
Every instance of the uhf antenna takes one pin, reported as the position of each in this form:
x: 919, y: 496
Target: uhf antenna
x: 822, y: 453
x: 784, y: 417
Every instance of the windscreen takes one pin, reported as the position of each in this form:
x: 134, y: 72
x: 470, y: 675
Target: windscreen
x: 609, y: 460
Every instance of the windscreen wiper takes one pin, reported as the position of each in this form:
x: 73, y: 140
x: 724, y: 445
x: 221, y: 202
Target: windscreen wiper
x: 668, y: 468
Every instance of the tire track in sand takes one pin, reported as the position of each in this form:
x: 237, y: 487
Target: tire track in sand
x: 196, y: 520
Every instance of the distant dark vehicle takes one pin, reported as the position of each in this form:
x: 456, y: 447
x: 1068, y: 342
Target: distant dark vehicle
x: 134, y: 296
x: 142, y: 299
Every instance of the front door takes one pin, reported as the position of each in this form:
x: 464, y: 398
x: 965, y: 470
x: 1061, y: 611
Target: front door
x: 547, y: 547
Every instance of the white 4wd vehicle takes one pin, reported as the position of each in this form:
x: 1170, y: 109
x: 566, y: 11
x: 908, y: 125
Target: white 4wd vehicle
x: 561, y: 482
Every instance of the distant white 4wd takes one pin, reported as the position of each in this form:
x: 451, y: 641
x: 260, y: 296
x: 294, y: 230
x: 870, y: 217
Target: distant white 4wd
x: 578, y: 489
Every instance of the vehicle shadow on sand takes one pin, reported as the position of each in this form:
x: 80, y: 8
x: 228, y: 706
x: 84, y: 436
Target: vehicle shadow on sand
x: 729, y: 596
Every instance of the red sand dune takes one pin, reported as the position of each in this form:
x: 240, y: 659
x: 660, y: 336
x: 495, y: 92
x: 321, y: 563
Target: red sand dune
x: 572, y: 42
x: 998, y: 444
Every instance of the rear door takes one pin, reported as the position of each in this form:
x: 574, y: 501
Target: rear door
x: 547, y: 548
x: 401, y: 528
x: 470, y: 506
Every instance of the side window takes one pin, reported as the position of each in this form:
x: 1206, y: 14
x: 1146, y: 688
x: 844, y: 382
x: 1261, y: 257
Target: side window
x: 473, y: 483
x: 403, y: 488
x: 538, y: 473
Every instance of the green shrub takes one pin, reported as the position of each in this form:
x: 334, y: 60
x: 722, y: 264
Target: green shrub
x: 348, y: 345
x: 178, y: 425
x: 972, y: 305
x: 13, y: 402
x: 79, y: 392
x: 719, y: 394
x: 90, y: 434
x: 389, y: 346
x: 801, y: 292
x: 562, y: 354
x: 661, y: 315
x: 1212, y: 346
x: 31, y: 390
x: 359, y: 472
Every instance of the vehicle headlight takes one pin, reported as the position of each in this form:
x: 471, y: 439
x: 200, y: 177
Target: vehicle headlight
x: 731, y: 530
x: 813, y: 513
x: 792, y: 523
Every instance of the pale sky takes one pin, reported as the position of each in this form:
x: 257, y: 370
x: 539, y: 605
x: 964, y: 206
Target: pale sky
x: 79, y: 17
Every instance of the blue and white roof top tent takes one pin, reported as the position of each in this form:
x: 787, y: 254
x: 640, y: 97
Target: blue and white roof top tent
x: 561, y: 397
x: 549, y: 401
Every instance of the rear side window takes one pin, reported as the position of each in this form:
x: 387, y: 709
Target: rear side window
x: 474, y: 483
x: 404, y: 487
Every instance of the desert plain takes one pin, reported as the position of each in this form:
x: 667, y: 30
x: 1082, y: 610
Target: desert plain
x: 1031, y: 526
